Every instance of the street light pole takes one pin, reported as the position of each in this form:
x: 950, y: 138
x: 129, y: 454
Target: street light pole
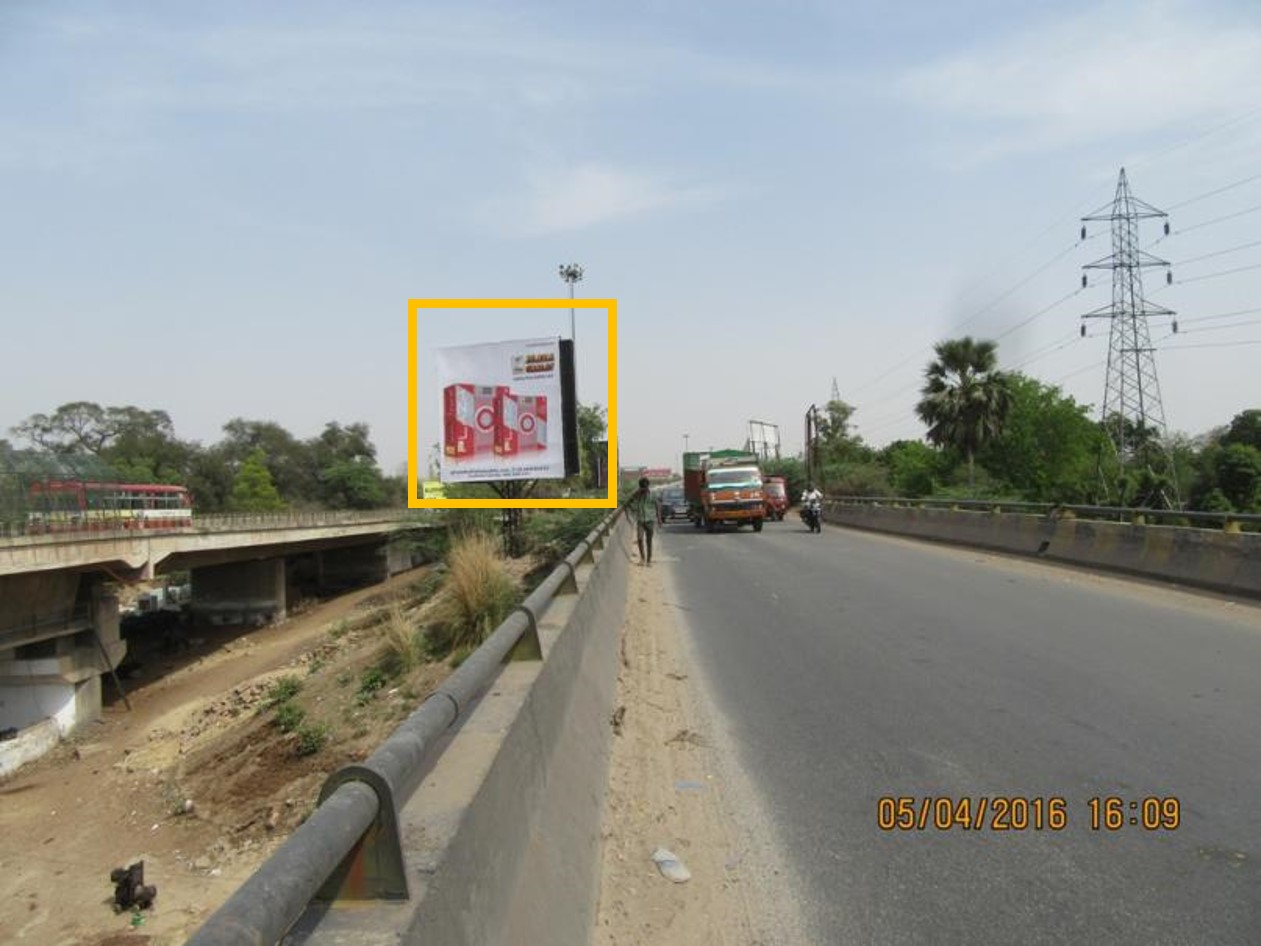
x: 571, y: 273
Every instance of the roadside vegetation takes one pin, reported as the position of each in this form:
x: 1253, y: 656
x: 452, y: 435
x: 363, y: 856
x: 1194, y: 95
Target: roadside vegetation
x: 998, y: 435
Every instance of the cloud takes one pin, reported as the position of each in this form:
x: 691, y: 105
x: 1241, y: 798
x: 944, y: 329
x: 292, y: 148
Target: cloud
x: 1118, y: 70
x: 565, y: 200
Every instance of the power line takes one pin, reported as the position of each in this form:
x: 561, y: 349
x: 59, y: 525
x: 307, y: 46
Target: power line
x: 1220, y: 190
x: 1221, y: 315
x: 1224, y: 272
x: 1221, y: 328
x: 1251, y: 341
x: 1233, y: 249
x: 973, y: 317
x: 1037, y: 315
x: 1252, y: 112
x: 1209, y: 223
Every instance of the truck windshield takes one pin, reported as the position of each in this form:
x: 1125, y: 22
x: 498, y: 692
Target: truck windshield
x: 734, y: 478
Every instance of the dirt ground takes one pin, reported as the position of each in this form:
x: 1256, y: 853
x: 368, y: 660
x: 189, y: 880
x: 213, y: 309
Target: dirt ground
x: 667, y: 788
x: 197, y: 780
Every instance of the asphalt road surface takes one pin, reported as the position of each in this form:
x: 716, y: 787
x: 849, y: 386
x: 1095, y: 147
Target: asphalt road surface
x: 849, y: 667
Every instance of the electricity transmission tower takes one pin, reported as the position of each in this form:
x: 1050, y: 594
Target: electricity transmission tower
x: 1133, y: 415
x: 836, y: 389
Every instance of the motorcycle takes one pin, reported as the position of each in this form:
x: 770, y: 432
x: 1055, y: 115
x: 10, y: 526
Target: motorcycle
x: 812, y: 515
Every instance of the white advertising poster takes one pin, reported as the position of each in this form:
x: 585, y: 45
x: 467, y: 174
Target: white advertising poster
x: 501, y: 411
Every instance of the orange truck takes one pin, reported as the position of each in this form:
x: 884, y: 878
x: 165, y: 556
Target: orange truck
x: 724, y: 486
x: 776, y: 490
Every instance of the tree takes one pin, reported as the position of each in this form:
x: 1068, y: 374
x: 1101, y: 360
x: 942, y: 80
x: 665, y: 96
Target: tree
x: 592, y: 424
x: 253, y: 489
x: 966, y: 399
x: 288, y: 459
x: 353, y: 484
x: 1238, y: 469
x: 914, y: 467
x: 1245, y: 428
x: 836, y: 443
x: 1048, y: 448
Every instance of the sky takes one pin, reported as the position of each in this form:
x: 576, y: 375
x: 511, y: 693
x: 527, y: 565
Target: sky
x: 221, y: 210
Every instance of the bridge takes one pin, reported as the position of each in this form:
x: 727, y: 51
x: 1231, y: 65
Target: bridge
x: 933, y: 743
x: 59, y: 619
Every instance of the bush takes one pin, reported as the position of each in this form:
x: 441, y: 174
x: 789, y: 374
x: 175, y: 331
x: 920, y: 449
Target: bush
x: 373, y: 679
x: 311, y: 739
x: 553, y: 534
x: 477, y: 595
x: 289, y: 716
x: 283, y: 690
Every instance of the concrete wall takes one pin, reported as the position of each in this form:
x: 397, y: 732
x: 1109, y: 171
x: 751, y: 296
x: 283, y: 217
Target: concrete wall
x: 240, y: 592
x: 1202, y: 558
x: 502, y: 839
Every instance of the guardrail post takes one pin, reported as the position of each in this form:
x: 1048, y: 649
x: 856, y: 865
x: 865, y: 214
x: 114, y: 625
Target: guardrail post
x: 373, y: 869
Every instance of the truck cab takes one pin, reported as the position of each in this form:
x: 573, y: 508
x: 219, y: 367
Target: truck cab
x: 724, y: 487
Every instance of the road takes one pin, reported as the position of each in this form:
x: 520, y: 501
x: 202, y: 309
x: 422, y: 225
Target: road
x: 847, y: 667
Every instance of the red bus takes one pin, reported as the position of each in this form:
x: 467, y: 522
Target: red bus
x: 75, y: 505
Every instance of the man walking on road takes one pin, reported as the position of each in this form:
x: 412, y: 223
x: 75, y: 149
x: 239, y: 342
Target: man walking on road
x: 643, y: 509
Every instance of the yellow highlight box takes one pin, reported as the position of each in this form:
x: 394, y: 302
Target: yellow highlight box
x: 414, y: 501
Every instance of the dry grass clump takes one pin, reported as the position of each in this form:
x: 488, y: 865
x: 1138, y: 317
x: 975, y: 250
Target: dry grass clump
x: 477, y: 595
x: 405, y: 645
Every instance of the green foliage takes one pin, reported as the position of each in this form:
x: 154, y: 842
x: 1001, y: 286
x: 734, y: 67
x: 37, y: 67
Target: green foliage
x: 1047, y: 449
x: 914, y: 468
x: 965, y: 399
x: 311, y: 739
x: 551, y: 534
x: 253, y: 489
x: 352, y: 484
x: 1238, y: 476
x: 592, y: 424
x: 373, y: 679
x: 836, y: 444
x: 856, y: 478
x: 283, y: 690
x: 1245, y: 428
x: 289, y: 716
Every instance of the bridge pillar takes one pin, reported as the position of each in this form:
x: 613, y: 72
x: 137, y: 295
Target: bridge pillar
x: 353, y: 566
x: 240, y: 592
x: 57, y: 632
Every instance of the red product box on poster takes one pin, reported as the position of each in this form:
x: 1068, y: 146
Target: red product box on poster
x: 532, y: 421
x: 507, y: 437
x: 468, y: 420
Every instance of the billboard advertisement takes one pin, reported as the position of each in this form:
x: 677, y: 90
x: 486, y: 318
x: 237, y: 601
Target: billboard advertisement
x: 502, y: 409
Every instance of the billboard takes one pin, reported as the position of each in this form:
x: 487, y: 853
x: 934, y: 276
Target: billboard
x: 502, y: 410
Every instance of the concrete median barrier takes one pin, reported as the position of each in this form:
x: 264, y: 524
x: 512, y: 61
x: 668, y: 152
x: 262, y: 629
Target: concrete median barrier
x: 1202, y: 558
x: 501, y: 840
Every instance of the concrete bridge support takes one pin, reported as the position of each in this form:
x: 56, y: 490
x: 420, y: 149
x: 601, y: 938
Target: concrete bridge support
x: 240, y: 592
x: 58, y: 634
x: 354, y: 566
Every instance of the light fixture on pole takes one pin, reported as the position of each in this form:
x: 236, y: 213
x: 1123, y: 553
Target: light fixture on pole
x: 571, y: 273
x: 685, y: 439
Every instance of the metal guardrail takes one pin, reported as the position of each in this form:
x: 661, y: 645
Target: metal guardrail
x: 1227, y: 521
x: 21, y: 532
x: 359, y: 803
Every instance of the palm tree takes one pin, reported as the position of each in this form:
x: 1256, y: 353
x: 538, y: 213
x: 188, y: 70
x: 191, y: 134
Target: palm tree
x: 966, y: 399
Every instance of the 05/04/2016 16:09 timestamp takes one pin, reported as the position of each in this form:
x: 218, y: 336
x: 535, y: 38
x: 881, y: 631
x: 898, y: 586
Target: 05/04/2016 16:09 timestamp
x: 1024, y: 813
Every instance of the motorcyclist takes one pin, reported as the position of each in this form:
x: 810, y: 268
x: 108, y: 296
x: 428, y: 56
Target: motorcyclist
x: 811, y: 507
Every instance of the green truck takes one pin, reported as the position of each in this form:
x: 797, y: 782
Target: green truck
x: 724, y: 486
